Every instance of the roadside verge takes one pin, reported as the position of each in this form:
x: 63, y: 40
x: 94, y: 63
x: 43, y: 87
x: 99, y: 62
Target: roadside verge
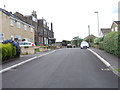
x: 111, y: 67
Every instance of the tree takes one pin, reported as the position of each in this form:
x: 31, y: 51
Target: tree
x: 76, y: 41
x: 65, y: 42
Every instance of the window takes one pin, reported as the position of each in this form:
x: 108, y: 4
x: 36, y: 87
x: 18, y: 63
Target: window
x: 18, y: 24
x: 11, y: 22
x: 116, y: 29
x: 12, y: 37
x: 18, y: 37
x: 25, y: 27
x: 1, y: 37
x: 112, y: 29
x: 31, y: 29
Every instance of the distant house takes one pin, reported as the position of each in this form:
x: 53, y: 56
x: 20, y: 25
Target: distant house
x: 14, y: 28
x: 42, y: 30
x: 91, y: 37
x: 45, y: 32
x: 115, y: 26
x: 105, y: 31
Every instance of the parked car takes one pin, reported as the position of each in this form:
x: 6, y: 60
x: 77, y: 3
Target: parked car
x: 25, y: 43
x: 84, y: 44
x: 69, y: 46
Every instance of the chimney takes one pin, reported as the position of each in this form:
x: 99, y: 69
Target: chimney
x: 51, y: 26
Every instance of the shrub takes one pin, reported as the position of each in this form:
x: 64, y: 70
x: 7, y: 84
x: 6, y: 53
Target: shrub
x: 111, y: 43
x: 96, y: 41
x: 101, y: 45
x: 8, y: 51
x: 37, y: 50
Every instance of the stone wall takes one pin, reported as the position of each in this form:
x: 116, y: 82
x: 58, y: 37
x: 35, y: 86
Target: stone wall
x: 28, y: 50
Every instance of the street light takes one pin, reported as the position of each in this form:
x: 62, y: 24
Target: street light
x: 89, y: 33
x: 98, y: 22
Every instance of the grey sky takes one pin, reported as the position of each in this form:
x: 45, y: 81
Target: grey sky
x: 70, y: 17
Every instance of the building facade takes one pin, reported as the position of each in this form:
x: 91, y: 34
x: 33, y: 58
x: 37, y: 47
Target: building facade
x: 115, y: 25
x: 45, y: 32
x: 105, y: 31
x: 114, y: 28
x: 14, y: 28
x: 32, y: 20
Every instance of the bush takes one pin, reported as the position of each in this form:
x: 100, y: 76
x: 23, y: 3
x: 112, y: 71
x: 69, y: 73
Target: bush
x: 37, y: 50
x: 8, y: 51
x: 96, y: 41
x: 111, y: 43
x: 101, y: 45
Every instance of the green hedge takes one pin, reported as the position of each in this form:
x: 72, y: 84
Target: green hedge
x: 96, y: 41
x: 7, y: 51
x: 111, y: 43
x: 101, y: 45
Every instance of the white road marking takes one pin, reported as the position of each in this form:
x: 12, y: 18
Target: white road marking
x: 23, y: 62
x: 102, y: 59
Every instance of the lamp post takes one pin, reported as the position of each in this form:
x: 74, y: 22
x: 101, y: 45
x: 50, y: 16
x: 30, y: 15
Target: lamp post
x: 89, y: 33
x: 98, y: 22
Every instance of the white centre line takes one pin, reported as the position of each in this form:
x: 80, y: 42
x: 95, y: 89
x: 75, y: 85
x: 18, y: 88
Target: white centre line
x: 23, y: 62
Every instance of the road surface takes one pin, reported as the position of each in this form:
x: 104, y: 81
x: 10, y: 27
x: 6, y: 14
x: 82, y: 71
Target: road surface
x: 65, y: 68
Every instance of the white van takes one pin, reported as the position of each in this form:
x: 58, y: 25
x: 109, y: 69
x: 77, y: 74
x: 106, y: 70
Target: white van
x: 84, y: 44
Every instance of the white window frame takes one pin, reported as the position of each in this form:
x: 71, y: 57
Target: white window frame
x: 12, y: 37
x: 31, y: 29
x: 18, y: 25
x: 1, y: 37
x: 18, y: 36
x: 25, y: 27
x: 11, y: 22
x: 116, y: 28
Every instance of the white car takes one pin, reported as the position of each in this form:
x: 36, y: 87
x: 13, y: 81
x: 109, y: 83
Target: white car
x: 22, y: 44
x: 84, y: 44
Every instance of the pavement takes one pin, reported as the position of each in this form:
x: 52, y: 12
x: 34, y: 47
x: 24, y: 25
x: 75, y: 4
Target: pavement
x: 65, y: 68
x: 110, y: 58
x: 21, y: 58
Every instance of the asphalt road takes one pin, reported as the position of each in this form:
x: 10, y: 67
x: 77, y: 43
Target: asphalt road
x: 66, y: 68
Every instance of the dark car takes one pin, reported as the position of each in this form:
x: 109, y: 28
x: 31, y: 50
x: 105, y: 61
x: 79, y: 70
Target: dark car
x: 69, y: 46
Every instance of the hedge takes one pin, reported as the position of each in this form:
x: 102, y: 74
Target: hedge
x: 7, y: 51
x: 96, y: 41
x: 101, y: 45
x: 111, y: 43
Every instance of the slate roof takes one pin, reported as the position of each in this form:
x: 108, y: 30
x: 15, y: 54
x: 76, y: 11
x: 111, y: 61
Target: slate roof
x: 12, y: 15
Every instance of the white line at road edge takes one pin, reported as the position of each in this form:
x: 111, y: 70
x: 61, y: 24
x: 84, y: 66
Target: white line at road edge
x: 106, y: 63
x: 21, y: 63
x: 103, y: 60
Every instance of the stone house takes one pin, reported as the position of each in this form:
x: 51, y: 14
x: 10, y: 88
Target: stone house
x: 15, y: 28
x: 32, y: 20
x: 45, y: 32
